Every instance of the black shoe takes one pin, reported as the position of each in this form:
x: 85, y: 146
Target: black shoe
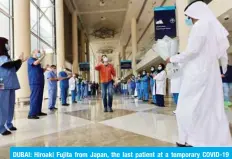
x: 33, y: 117
x: 180, y: 145
x: 13, y: 128
x: 65, y: 104
x: 75, y: 102
x: 5, y: 133
x: 42, y: 114
x: 105, y: 110
x: 55, y: 108
x: 111, y: 110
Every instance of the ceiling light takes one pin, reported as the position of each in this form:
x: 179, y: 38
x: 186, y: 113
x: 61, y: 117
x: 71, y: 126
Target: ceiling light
x: 102, y: 3
x: 227, y: 17
x: 103, y: 18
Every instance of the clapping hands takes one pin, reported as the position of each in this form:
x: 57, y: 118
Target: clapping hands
x: 22, y: 58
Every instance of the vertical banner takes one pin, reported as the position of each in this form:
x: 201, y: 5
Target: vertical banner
x: 165, y: 22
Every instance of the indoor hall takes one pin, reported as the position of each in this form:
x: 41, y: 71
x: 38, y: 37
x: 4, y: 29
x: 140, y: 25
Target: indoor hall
x: 73, y: 36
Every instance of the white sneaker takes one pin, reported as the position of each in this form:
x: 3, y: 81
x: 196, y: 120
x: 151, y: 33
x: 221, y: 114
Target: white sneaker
x: 174, y: 112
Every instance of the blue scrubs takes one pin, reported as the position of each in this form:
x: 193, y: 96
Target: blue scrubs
x: 152, y: 83
x: 52, y: 90
x: 79, y: 90
x: 64, y: 84
x: 36, y: 82
x: 7, y: 95
x: 145, y: 93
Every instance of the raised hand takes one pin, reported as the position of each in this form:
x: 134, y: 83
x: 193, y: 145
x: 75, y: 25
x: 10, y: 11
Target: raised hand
x: 21, y: 56
x: 25, y: 59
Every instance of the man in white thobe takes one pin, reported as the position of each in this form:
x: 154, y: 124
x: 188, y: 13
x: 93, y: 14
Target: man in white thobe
x: 200, y: 113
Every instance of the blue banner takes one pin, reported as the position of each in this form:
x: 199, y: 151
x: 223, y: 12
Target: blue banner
x: 84, y: 66
x: 165, y: 21
x: 126, y: 64
x: 119, y: 152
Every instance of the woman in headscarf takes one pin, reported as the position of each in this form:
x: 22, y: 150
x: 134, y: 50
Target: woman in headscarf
x: 159, y: 90
x: 8, y: 84
x: 200, y: 113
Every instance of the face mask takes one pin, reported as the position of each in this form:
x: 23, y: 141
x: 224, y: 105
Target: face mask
x: 105, y: 59
x: 64, y: 69
x: 188, y: 22
x: 159, y: 68
x: 7, y: 46
x: 152, y: 69
x: 144, y: 73
x: 38, y: 55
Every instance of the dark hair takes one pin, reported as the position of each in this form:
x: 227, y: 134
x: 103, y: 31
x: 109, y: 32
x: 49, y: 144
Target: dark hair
x: 53, y: 66
x: 104, y: 55
x: 3, y: 51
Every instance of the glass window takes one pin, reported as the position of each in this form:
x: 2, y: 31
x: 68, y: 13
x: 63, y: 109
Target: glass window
x: 5, y: 5
x: 5, y: 26
x: 6, y: 22
x: 42, y: 25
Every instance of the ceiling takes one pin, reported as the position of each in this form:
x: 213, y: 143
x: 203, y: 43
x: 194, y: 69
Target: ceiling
x: 116, y: 15
x: 105, y: 20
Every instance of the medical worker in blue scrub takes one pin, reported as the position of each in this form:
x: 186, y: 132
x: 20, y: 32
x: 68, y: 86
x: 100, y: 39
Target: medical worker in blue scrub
x: 52, y: 87
x: 36, y: 82
x: 8, y: 84
x: 145, y: 83
x: 79, y: 82
x: 64, y: 85
x: 152, y: 83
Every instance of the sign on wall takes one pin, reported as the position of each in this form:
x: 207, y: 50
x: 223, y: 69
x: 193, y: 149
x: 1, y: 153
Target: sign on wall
x: 84, y: 66
x: 165, y: 22
x: 126, y: 64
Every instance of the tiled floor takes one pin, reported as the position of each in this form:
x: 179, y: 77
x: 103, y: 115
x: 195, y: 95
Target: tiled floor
x: 133, y: 123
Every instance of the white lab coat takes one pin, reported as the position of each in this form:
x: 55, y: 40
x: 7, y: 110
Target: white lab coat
x: 72, y: 84
x: 200, y: 113
x: 160, y: 84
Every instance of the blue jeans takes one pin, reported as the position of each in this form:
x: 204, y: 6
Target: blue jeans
x: 227, y: 89
x: 154, y: 99
x: 107, y: 90
x: 175, y: 97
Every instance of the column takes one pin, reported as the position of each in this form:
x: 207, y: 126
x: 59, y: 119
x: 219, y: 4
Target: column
x: 182, y: 28
x: 60, y: 34
x: 75, y: 42
x: 118, y: 65
x: 134, y: 43
x: 22, y: 43
x: 83, y: 47
x: 123, y: 54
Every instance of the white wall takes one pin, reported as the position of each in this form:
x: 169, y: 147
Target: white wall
x: 220, y: 6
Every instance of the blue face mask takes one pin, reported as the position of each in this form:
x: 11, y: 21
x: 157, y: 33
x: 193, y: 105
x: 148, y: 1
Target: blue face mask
x: 38, y: 55
x: 188, y: 21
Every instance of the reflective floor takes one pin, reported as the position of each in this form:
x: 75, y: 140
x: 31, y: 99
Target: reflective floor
x: 133, y: 123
